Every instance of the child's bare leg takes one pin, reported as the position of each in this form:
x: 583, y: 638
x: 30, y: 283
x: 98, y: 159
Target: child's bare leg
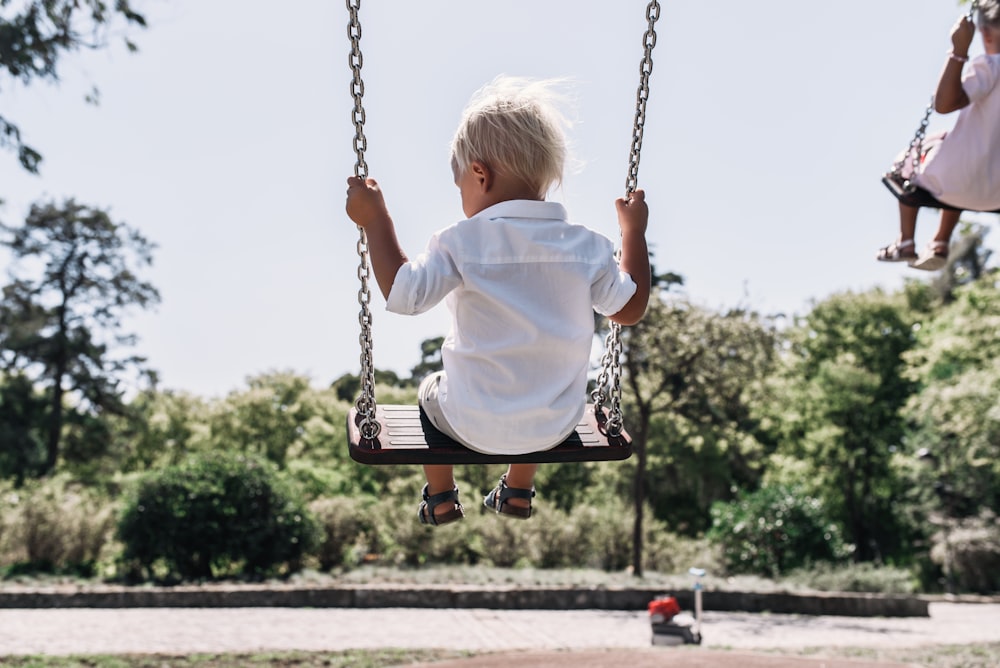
x: 949, y: 219
x: 440, y: 478
x: 521, y: 476
x: 907, y: 222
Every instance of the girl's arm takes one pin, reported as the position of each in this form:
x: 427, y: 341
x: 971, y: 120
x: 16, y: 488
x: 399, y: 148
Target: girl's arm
x: 950, y: 95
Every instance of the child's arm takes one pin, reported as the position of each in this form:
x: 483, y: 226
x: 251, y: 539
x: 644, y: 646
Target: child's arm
x: 366, y: 207
x: 633, y: 214
x: 950, y: 95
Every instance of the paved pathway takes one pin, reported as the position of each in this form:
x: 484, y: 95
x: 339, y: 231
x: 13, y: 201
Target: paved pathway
x: 186, y: 630
x: 650, y: 658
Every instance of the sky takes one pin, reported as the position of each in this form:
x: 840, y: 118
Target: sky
x: 228, y: 137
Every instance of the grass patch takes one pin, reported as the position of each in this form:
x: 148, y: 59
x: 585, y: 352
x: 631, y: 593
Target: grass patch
x: 975, y: 655
x: 381, y: 658
x: 981, y: 655
x: 850, y: 578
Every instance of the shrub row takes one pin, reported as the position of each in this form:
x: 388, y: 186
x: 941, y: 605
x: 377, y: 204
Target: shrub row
x: 225, y: 515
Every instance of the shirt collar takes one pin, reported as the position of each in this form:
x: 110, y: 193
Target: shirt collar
x: 524, y: 208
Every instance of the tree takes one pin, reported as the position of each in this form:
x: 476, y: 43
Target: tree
x: 837, y: 410
x: 688, y: 372
x: 59, y: 328
x: 773, y: 530
x: 22, y: 420
x: 35, y: 34
x: 161, y: 429
x: 267, y: 419
x: 967, y: 262
x: 955, y: 416
x: 430, y: 360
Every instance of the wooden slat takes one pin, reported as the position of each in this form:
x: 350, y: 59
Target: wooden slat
x: 408, y: 437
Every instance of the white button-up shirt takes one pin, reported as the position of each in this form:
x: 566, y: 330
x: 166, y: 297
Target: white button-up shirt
x: 522, y: 285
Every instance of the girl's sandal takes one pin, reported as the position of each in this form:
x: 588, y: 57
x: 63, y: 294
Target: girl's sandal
x: 497, y: 499
x: 425, y: 513
x: 897, y: 251
x: 932, y: 259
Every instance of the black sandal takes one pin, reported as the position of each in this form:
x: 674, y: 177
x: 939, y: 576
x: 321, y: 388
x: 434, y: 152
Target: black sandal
x: 425, y: 513
x: 497, y: 499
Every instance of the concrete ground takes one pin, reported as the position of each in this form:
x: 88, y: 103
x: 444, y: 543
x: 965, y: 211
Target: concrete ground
x: 650, y: 658
x: 580, y: 637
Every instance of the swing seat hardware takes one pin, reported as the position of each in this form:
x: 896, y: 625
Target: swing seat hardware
x: 913, y: 195
x: 910, y: 194
x: 408, y: 437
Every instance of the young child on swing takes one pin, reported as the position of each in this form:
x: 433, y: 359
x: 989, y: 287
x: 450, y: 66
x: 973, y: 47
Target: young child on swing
x: 521, y: 283
x: 960, y: 168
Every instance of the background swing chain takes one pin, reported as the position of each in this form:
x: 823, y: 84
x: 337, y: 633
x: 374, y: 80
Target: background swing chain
x: 365, y: 403
x: 915, y: 148
x: 611, y: 370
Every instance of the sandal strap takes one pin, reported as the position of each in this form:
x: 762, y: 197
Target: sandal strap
x: 515, y: 493
x: 503, y: 492
x: 430, y: 502
x: 438, y: 499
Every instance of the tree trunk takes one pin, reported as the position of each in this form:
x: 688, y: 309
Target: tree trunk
x: 639, y: 446
x: 58, y: 372
x: 55, y: 423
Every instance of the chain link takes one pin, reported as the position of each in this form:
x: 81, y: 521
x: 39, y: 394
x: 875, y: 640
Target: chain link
x: 642, y: 95
x: 915, y: 148
x: 365, y: 403
x: 610, y: 375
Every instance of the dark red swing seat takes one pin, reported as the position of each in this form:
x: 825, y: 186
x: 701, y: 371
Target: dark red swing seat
x: 408, y: 437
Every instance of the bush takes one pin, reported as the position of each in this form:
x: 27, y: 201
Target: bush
x: 971, y: 550
x: 53, y: 526
x: 591, y: 536
x: 399, y: 539
x: 345, y: 524
x: 217, y: 515
x: 668, y: 552
x: 773, y: 530
x: 864, y: 577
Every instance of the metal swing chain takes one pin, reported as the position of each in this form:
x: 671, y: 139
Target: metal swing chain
x: 369, y: 426
x: 611, y: 365
x: 916, y: 146
x: 642, y: 95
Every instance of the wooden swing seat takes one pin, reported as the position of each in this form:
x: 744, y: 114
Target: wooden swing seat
x: 916, y: 196
x: 408, y: 437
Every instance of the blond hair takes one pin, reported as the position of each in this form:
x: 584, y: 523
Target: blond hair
x: 514, y: 127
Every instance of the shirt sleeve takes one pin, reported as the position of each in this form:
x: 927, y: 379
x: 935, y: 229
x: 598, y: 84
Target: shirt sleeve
x: 423, y: 282
x: 612, y: 289
x: 980, y: 77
